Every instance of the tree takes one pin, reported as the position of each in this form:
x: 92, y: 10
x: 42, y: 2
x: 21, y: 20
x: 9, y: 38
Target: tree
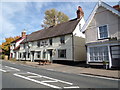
x: 53, y: 17
x: 6, y: 45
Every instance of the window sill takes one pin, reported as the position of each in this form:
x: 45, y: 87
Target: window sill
x: 62, y: 58
x: 95, y: 61
x: 62, y: 44
x: 103, y: 38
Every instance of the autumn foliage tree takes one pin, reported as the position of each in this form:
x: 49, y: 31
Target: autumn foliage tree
x: 53, y: 17
x: 6, y: 45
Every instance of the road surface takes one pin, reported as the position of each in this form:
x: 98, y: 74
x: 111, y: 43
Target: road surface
x: 16, y: 75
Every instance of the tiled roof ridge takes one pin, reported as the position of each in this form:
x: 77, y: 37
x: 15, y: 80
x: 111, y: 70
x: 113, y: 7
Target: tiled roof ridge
x: 57, y: 30
x: 54, y: 25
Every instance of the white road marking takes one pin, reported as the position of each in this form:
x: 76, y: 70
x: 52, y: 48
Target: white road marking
x: 34, y: 76
x: 72, y: 87
x: 2, y: 70
x: 98, y: 77
x: 49, y: 81
x: 58, y: 80
x: 52, y: 78
x: 12, y: 68
x: 22, y: 73
x: 37, y: 81
x: 50, y: 69
x: 45, y: 82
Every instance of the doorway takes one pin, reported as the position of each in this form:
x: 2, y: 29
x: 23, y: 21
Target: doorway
x: 50, y: 54
x: 115, y: 54
x: 32, y: 53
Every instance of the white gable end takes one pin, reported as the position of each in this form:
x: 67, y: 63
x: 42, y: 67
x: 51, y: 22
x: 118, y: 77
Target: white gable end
x: 77, y: 31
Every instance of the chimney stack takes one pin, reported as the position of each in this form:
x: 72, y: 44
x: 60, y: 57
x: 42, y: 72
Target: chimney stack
x: 79, y: 12
x: 117, y: 7
x: 23, y: 33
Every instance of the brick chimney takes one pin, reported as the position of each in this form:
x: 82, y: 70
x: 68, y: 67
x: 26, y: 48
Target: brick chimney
x: 23, y: 34
x: 117, y: 7
x: 79, y: 12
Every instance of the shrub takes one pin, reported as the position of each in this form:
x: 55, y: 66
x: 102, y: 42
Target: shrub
x: 2, y: 56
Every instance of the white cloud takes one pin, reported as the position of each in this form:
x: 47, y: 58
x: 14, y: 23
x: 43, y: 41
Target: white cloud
x: 39, y: 5
x: 9, y: 10
x: 6, y: 28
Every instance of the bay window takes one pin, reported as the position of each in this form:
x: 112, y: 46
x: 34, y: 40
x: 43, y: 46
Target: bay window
x: 99, y: 53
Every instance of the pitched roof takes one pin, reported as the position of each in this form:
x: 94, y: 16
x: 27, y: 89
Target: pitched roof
x: 16, y: 40
x: 102, y: 4
x: 17, y: 48
x: 58, y: 30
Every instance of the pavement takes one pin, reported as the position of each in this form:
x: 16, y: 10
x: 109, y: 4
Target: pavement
x: 77, y: 70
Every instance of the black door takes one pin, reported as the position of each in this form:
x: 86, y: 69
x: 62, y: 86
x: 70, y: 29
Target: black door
x: 32, y: 55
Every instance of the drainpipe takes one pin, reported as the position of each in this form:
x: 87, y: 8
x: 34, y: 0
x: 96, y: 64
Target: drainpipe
x: 72, y: 47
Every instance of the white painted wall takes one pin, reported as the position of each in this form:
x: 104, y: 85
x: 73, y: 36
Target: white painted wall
x: 12, y: 48
x: 79, y: 42
x: 78, y: 45
x: 18, y: 42
x: 67, y: 46
x: 55, y: 46
x: 77, y: 31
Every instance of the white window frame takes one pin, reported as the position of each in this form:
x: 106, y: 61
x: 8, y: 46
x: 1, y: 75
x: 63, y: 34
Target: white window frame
x: 89, y: 60
x: 62, y: 41
x: 99, y: 31
x: 65, y: 53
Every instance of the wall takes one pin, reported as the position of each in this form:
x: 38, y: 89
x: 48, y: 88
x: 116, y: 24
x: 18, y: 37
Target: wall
x: 67, y: 46
x: 18, y: 42
x: 55, y: 46
x: 11, y: 50
x: 79, y: 49
x: 102, y: 17
x: 79, y: 43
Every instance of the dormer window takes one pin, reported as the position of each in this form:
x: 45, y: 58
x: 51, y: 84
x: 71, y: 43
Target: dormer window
x: 62, y: 39
x: 103, y: 32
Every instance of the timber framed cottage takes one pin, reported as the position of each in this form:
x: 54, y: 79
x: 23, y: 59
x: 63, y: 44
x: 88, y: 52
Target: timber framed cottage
x: 102, y: 32
x: 15, y: 45
x: 64, y: 41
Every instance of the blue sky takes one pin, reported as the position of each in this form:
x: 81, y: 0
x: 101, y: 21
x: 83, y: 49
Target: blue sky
x: 17, y: 16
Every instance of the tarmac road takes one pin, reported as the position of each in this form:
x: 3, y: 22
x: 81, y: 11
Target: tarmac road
x: 16, y: 75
